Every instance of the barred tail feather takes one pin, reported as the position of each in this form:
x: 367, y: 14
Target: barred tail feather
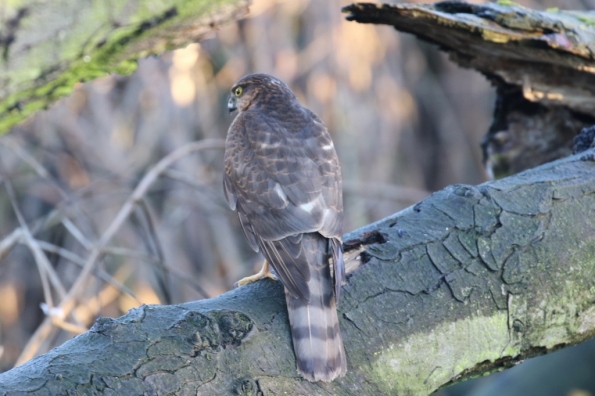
x: 317, y: 341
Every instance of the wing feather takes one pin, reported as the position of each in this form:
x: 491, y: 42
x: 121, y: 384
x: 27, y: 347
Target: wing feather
x: 294, y: 276
x: 284, y: 179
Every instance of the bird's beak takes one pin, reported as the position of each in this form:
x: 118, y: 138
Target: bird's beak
x: 231, y: 104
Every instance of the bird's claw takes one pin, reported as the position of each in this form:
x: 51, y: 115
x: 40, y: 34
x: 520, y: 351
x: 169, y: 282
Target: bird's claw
x: 263, y: 273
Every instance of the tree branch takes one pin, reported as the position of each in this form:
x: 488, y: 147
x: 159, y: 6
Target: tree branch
x: 48, y: 48
x: 541, y: 64
x: 468, y: 281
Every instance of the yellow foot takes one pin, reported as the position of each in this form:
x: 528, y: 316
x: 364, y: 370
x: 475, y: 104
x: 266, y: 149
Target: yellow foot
x: 263, y: 273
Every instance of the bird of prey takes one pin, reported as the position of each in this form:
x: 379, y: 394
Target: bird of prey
x: 283, y: 178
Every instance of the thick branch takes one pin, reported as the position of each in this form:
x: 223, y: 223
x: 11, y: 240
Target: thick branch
x: 540, y: 62
x: 48, y: 47
x: 471, y: 280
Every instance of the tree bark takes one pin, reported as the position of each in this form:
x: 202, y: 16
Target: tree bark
x: 468, y: 281
x: 541, y: 63
x: 48, y: 46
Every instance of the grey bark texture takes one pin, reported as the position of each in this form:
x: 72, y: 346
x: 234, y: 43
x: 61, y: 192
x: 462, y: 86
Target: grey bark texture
x: 471, y: 280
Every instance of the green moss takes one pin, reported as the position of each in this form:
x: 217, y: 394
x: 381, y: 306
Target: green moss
x: 107, y: 51
x: 444, y: 352
x: 586, y: 20
x: 507, y: 3
x: 495, y: 37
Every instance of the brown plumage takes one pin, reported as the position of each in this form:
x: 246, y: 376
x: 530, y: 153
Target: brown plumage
x: 282, y: 175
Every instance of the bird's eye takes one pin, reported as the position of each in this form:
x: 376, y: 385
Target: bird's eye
x: 237, y: 91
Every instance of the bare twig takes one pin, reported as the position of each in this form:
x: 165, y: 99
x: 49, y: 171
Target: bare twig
x: 150, y: 178
x: 44, y: 265
x: 200, y: 187
x: 69, y: 302
x: 9, y: 241
x: 216, y: 209
x: 25, y: 156
x: 40, y: 169
x: 76, y: 233
x: 70, y: 327
x: 88, y: 309
x: 146, y: 223
x: 101, y: 274
x: 182, y: 276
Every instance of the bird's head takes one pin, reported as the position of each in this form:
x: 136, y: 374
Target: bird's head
x: 257, y: 90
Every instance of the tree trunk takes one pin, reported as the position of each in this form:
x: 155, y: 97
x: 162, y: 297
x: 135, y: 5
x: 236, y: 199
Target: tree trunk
x: 471, y: 280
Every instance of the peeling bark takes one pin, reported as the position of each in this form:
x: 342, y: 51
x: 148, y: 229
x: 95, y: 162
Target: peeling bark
x: 471, y: 280
x: 541, y: 63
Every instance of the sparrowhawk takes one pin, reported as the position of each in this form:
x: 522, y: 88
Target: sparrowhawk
x: 282, y: 176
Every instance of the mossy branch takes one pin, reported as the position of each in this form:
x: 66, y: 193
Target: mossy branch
x: 49, y: 47
x: 468, y: 281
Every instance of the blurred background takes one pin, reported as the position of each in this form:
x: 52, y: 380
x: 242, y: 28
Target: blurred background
x: 405, y: 120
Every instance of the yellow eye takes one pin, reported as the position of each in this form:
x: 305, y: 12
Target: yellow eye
x: 237, y: 91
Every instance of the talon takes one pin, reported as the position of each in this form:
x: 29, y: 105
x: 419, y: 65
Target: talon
x: 263, y: 273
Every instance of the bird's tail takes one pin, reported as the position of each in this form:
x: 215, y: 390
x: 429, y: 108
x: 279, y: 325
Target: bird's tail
x: 315, y: 329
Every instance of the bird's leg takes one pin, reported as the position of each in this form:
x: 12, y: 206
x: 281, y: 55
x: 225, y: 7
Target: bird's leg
x: 263, y: 273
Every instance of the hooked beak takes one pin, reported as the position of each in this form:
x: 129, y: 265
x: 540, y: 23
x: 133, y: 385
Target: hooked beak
x: 231, y: 104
